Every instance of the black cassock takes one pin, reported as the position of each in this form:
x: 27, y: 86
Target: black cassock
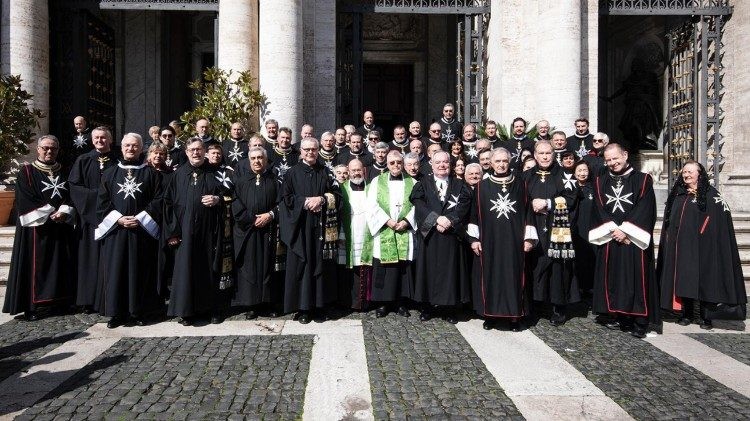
x: 128, y: 275
x: 255, y: 248
x: 624, y: 278
x: 345, y: 156
x: 280, y: 161
x: 198, y: 257
x: 303, y: 233
x: 501, y: 218
x: 554, y: 279
x: 235, y: 151
x: 84, y: 180
x: 579, y: 144
x: 698, y: 255
x: 585, y: 257
x: 41, y: 272
x: 175, y: 157
x: 441, y: 271
x: 71, y: 148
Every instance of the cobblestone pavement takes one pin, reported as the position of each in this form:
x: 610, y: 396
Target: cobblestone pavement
x: 22, y: 342
x: 644, y: 381
x: 187, y: 378
x: 735, y: 346
x: 262, y: 370
x: 427, y: 370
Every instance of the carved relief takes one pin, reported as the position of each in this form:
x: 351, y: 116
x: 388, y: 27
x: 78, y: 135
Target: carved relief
x: 391, y: 27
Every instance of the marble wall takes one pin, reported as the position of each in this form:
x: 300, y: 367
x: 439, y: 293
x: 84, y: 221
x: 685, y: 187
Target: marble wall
x: 319, y: 63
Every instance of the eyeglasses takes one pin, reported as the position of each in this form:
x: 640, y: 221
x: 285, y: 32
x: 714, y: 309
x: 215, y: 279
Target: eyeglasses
x: 191, y: 150
x: 167, y: 135
x: 598, y: 140
x: 309, y: 149
x: 434, y: 130
x: 374, y: 138
x: 395, y: 162
x: 48, y: 148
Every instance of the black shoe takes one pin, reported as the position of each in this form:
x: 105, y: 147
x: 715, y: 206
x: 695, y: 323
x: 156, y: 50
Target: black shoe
x: 488, y: 324
x: 31, y: 316
x: 706, y: 324
x: 139, y: 321
x: 403, y: 312
x: 451, y: 319
x: 114, y: 322
x: 304, y: 318
x: 250, y: 315
x: 684, y: 321
x: 515, y: 326
x: 381, y: 312
x: 424, y: 316
x: 602, y: 319
x: 638, y: 332
x: 273, y: 314
x: 185, y: 321
x: 216, y: 319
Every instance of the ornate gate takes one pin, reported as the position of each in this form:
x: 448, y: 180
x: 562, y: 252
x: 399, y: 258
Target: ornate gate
x: 471, y: 19
x: 695, y: 88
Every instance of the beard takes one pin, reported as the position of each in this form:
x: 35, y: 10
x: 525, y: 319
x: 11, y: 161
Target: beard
x: 357, y: 180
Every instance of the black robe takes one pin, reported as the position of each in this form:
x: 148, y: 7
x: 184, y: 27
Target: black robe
x: 328, y: 161
x: 426, y: 142
x: 305, y: 286
x: 280, y: 161
x: 585, y: 257
x: 128, y: 276
x: 554, y: 279
x: 41, y: 272
x: 197, y: 268
x: 346, y: 156
x: 401, y: 147
x: 176, y: 157
x: 516, y: 145
x: 441, y: 275
x: 71, y: 148
x: 624, y: 278
x: 365, y: 131
x: 580, y: 144
x: 470, y: 152
x: 374, y: 170
x: 255, y: 248
x: 698, y: 255
x: 500, y: 220
x: 84, y: 180
x: 451, y: 131
x: 235, y: 151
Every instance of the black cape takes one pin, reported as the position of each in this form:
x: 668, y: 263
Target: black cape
x: 84, y: 180
x: 280, y: 161
x: 254, y: 248
x: 585, y: 256
x: 625, y: 278
x: 128, y: 276
x: 303, y: 233
x: 41, y: 272
x: 441, y: 271
x: 698, y: 255
x: 197, y: 268
x: 498, y: 274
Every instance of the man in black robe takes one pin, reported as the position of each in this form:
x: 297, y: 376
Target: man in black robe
x: 595, y: 157
x: 400, y: 142
x: 698, y: 255
x: 622, y: 222
x: 368, y: 119
x: 175, y: 154
x: 308, y: 195
x: 255, y: 211
x: 559, y: 143
x: 415, y: 132
x: 581, y: 141
x: 450, y: 128
x: 379, y: 165
x: 84, y: 181
x: 282, y: 156
x: 542, y: 130
x: 339, y: 137
x: 554, y: 281
x: 129, y: 210
x: 195, y: 223
x: 203, y: 130
x: 501, y: 233
x: 518, y: 142
x: 272, y: 133
x: 441, y: 205
x: 41, y: 273
x: 434, y: 138
x: 78, y: 144
x: 327, y: 154
x: 235, y: 148
x: 357, y: 150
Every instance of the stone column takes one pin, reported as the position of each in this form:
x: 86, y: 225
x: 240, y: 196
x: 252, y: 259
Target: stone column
x: 280, y: 61
x: 238, y: 36
x: 25, y: 50
x: 319, y: 63
x: 558, y: 71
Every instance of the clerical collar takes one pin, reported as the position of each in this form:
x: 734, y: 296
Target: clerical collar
x: 242, y: 139
x: 503, y: 180
x: 520, y: 139
x: 176, y: 147
x: 540, y: 137
x: 401, y: 145
x: 627, y: 170
x: 271, y: 141
x: 380, y: 166
x: 282, y: 152
x: 326, y: 154
x: 48, y: 168
x: 433, y: 142
x: 352, y: 153
x: 438, y: 178
x: 392, y: 177
x: 582, y: 136
x: 131, y: 166
x: 469, y: 143
x: 340, y: 147
x: 446, y: 121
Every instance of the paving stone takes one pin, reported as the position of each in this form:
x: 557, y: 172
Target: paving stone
x: 736, y: 346
x: 643, y: 380
x: 399, y: 348
x: 251, y: 360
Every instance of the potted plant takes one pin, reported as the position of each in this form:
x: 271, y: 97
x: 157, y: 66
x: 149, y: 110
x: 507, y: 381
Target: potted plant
x: 17, y: 120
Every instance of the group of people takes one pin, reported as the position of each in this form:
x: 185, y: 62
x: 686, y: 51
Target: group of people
x: 437, y: 222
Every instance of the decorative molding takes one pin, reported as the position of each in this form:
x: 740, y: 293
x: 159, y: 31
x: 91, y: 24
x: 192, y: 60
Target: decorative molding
x: 192, y: 5
x: 666, y: 7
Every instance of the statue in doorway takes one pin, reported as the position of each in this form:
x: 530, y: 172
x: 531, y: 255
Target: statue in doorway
x: 640, y: 122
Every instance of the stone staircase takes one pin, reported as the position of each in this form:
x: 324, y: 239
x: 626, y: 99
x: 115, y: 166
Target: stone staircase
x: 741, y: 228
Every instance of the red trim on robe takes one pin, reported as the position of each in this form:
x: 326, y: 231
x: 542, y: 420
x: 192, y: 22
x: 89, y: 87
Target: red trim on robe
x: 705, y: 224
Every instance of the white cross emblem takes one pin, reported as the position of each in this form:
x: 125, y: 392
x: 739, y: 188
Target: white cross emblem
x: 235, y: 154
x: 569, y: 181
x: 618, y: 199
x: 168, y: 161
x: 221, y: 176
x: 582, y: 151
x: 719, y: 199
x: 283, y: 168
x: 129, y: 187
x: 452, y: 203
x: 329, y: 165
x: 54, y: 186
x: 448, y: 136
x: 503, y: 206
x: 471, y: 152
x: 79, y: 141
